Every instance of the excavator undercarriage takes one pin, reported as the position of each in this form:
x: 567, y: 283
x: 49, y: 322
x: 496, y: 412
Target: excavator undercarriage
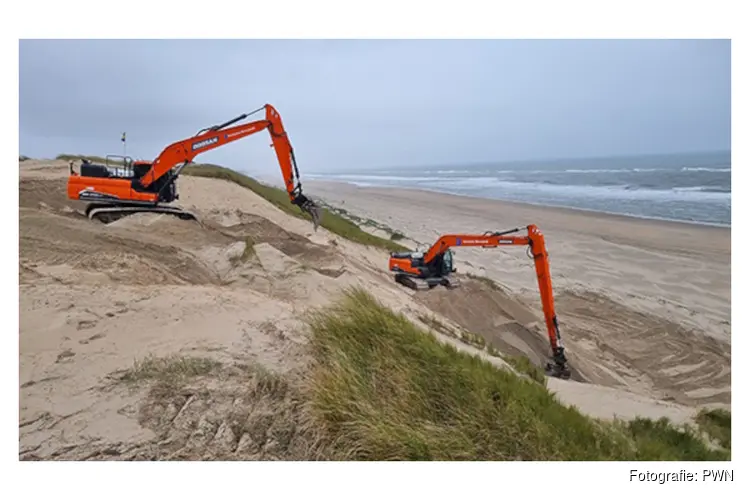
x: 110, y: 213
x: 416, y: 283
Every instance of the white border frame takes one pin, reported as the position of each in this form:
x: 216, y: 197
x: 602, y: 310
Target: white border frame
x: 381, y: 19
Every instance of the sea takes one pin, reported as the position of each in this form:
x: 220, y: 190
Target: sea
x: 694, y: 187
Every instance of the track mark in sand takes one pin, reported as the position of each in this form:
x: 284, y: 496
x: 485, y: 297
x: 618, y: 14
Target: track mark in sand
x: 331, y: 273
x: 681, y: 364
x: 43, y: 417
x: 92, y: 338
x: 85, y: 324
x: 31, y: 383
x: 27, y: 453
x: 64, y: 357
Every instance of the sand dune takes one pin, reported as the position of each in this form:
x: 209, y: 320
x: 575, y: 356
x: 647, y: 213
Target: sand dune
x: 95, y: 298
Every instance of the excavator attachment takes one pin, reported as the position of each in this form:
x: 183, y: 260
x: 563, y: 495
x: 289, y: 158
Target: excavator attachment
x: 558, y: 366
x: 309, y: 207
x: 557, y: 370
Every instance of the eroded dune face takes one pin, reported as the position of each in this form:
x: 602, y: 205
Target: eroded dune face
x: 231, y: 292
x: 610, y: 344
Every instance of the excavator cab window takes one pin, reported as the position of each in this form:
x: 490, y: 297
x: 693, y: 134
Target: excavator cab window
x: 448, y: 263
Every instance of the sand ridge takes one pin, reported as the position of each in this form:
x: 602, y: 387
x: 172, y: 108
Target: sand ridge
x: 95, y: 297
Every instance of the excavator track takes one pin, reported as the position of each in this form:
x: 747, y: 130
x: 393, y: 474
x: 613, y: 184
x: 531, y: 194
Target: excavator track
x: 426, y: 283
x: 451, y: 282
x: 410, y: 282
x: 109, y: 214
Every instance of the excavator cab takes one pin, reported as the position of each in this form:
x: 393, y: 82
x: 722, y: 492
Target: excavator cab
x: 448, y: 263
x: 411, y: 270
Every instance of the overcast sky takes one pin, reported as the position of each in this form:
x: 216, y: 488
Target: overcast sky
x: 357, y: 104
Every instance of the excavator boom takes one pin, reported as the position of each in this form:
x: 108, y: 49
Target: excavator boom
x: 153, y: 183
x: 435, y: 266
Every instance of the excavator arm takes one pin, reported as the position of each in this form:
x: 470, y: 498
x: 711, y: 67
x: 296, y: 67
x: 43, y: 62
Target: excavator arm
x: 487, y: 240
x: 534, y: 239
x: 219, y: 135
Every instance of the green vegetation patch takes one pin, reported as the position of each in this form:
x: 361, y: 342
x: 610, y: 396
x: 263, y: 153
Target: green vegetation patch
x: 383, y: 389
x: 168, y: 369
x: 523, y: 364
x: 717, y: 423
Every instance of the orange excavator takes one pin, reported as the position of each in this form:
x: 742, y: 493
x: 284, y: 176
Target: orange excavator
x: 424, y: 270
x: 142, y: 186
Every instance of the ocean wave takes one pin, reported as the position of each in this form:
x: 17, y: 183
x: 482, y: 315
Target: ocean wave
x: 704, y: 189
x: 495, y: 186
x: 429, y: 175
x: 629, y: 192
x: 604, y: 170
x: 363, y: 177
x: 705, y: 169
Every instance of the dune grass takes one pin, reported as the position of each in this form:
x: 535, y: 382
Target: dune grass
x: 365, y: 221
x: 717, y: 424
x: 278, y: 197
x: 523, y: 364
x: 383, y: 389
x: 168, y: 368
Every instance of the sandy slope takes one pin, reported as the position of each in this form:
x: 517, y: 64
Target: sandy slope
x: 95, y: 298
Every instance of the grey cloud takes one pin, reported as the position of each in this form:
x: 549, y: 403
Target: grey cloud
x: 363, y: 103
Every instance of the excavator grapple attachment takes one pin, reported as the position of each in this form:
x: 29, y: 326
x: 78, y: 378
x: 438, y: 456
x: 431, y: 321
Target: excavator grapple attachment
x: 553, y: 369
x: 308, y: 206
x: 557, y: 366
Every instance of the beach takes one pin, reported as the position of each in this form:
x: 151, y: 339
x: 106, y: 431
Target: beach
x: 689, y: 187
x: 646, y: 290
